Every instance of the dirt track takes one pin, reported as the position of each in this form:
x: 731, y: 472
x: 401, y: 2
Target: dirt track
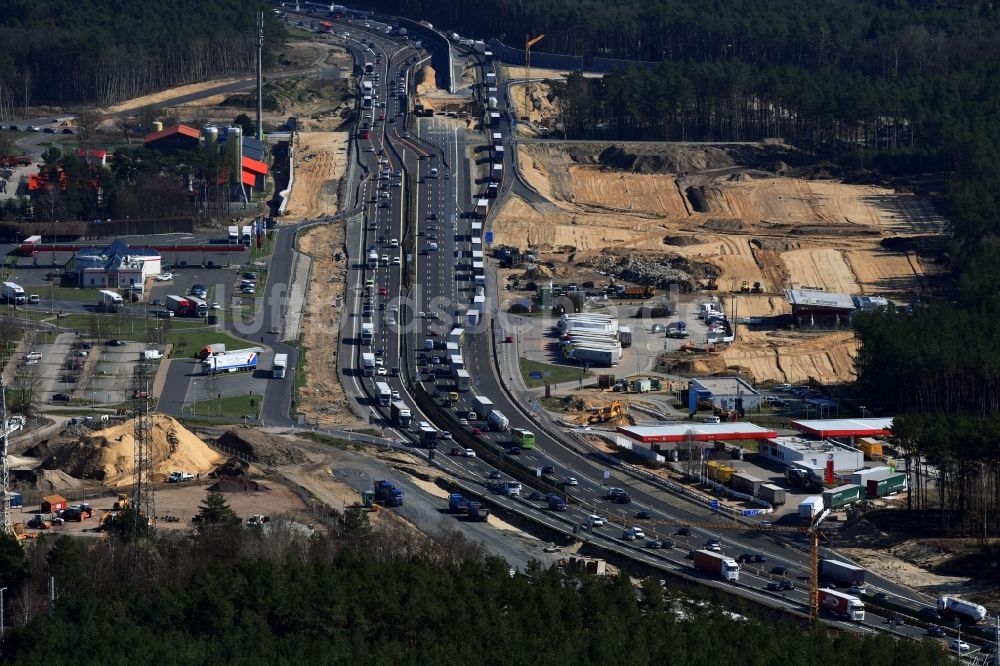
x: 320, y: 161
x: 322, y: 399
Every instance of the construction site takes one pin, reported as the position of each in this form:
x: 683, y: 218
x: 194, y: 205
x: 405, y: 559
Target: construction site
x: 736, y: 221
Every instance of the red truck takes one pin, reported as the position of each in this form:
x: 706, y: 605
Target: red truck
x: 180, y: 306
x: 721, y: 565
x: 842, y: 604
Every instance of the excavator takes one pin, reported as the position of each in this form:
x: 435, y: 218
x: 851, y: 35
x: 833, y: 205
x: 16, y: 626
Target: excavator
x: 608, y: 412
x: 121, y: 503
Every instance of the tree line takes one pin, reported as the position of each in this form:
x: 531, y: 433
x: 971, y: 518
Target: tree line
x: 98, y: 52
x: 355, y: 594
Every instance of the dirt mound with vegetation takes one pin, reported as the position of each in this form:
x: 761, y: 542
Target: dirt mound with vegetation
x: 261, y: 448
x: 108, y: 455
x: 238, y: 485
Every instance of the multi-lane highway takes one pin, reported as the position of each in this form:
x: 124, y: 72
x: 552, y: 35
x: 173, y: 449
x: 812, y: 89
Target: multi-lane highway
x: 422, y: 176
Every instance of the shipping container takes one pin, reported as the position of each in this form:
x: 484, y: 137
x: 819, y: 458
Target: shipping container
x: 891, y: 485
x: 872, y: 448
x: 772, y: 494
x: 836, y: 498
x: 745, y: 483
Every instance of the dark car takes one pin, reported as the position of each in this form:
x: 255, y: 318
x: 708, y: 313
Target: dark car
x: 653, y: 543
x: 84, y: 345
x: 514, y: 451
x: 936, y: 632
x: 644, y: 515
x: 667, y: 543
x: 67, y: 130
x: 759, y: 557
x: 931, y: 612
x: 786, y: 585
x: 548, y: 469
x: 536, y: 496
x: 684, y: 531
x: 49, y: 130
x: 116, y: 343
x: 779, y: 571
x: 744, y: 557
x: 157, y: 301
x: 897, y: 620
x: 773, y: 586
x: 882, y: 596
x: 494, y: 474
x: 61, y: 397
x: 15, y: 128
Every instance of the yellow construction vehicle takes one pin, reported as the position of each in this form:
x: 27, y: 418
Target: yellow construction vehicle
x: 121, y: 503
x: 608, y: 412
x: 745, y: 287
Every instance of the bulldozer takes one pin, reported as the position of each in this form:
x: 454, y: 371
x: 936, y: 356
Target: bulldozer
x: 757, y: 289
x: 712, y: 285
x: 745, y: 287
x: 368, y: 499
x: 122, y: 502
x: 608, y: 412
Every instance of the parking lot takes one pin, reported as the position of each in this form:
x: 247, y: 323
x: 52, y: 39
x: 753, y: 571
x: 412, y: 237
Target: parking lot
x: 69, y: 368
x: 201, y: 387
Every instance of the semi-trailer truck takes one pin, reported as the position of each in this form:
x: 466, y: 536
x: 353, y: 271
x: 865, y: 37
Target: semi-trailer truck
x: 498, y: 422
x: 429, y: 436
x: 13, y: 293
x: 482, y: 405
x: 477, y: 512
x: 229, y: 362
x: 110, y: 301
x: 388, y: 494
x: 721, y: 565
x: 593, y: 356
x: 368, y: 364
x: 840, y: 603
x: 965, y: 610
x: 401, y: 413
x: 180, y: 306
x: 367, y: 333
x: 279, y: 366
x: 842, y: 572
x: 213, y: 349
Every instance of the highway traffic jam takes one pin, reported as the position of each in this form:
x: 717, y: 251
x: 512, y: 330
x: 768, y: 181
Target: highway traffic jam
x: 423, y: 341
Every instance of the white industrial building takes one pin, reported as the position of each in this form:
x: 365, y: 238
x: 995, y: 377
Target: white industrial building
x: 813, y: 453
x: 728, y: 393
x: 117, y: 266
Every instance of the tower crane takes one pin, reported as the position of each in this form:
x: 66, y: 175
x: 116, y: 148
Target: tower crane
x: 528, y: 43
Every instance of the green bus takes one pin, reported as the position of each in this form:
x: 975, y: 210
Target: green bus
x: 523, y: 438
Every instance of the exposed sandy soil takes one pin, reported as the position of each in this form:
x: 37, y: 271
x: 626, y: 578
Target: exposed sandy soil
x: 540, y: 109
x: 515, y: 72
x: 320, y: 162
x: 322, y: 398
x: 427, y: 81
x: 754, y: 225
x: 170, y: 93
x: 895, y: 563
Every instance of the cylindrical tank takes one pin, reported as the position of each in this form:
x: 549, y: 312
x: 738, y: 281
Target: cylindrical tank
x: 157, y: 126
x: 211, y: 134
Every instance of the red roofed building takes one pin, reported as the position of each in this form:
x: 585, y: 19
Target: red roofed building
x: 93, y: 156
x: 174, y: 139
x: 253, y: 172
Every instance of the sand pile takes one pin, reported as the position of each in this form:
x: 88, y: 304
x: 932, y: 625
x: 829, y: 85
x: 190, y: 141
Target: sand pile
x: 47, y: 481
x: 261, y: 448
x: 428, y: 80
x: 108, y: 455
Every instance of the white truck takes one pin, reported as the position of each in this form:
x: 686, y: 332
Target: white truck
x: 13, y: 293
x: 234, y: 235
x: 482, y: 207
x: 367, y: 333
x: 109, y: 301
x: 368, y: 364
x: 472, y: 318
x: 463, y: 380
x: 279, y: 366
x: 498, y: 421
x: 721, y: 565
x: 230, y: 362
x: 590, y: 355
x: 482, y: 405
x: 401, y: 413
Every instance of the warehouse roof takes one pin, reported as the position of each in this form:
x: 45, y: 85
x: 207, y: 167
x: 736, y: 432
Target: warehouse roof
x: 723, y: 385
x: 699, y: 432
x: 819, y: 299
x: 845, y: 427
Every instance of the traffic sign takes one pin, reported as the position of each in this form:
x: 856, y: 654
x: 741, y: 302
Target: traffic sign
x: 489, y: 236
x: 536, y: 375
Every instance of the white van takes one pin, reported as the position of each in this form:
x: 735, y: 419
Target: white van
x: 433, y: 246
x: 434, y: 172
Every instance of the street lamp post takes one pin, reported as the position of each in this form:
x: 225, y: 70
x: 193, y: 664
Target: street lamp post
x: 2, y: 590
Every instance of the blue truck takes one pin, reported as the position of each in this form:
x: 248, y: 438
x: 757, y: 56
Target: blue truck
x: 477, y: 512
x: 388, y: 494
x: 457, y: 503
x: 556, y: 503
